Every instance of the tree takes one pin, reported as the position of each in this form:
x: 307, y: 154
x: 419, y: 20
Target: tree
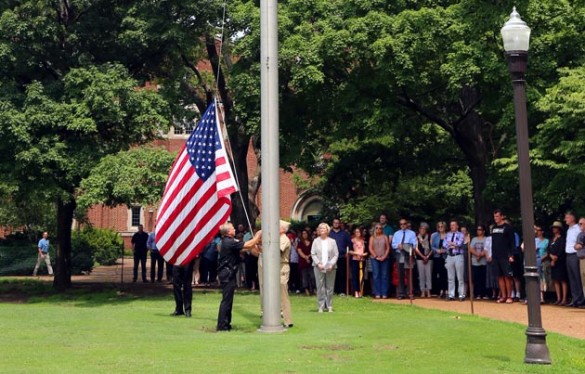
x: 136, y: 176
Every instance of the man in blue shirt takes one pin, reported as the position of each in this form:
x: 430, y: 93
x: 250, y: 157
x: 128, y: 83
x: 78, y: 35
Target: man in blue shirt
x: 343, y: 241
x: 455, y: 261
x: 43, y: 249
x: 403, y: 244
x: 156, y: 259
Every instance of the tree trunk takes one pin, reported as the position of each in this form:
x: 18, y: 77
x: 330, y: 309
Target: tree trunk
x: 471, y: 133
x: 62, y: 280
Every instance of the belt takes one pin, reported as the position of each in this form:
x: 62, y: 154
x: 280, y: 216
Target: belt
x: 455, y: 254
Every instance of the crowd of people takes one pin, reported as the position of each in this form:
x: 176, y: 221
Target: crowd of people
x: 453, y: 263
x: 449, y: 263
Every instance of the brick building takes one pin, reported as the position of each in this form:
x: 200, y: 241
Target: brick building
x: 294, y: 203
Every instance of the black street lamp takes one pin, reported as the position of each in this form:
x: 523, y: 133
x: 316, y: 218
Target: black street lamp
x: 516, y: 35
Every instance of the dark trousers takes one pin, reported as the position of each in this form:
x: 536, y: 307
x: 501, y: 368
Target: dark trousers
x: 182, y: 278
x: 156, y: 260
x: 169, y: 271
x: 479, y: 274
x: 574, y: 273
x: 355, y: 274
x: 139, y: 257
x: 341, y: 276
x: 403, y: 280
x: 208, y: 271
x: 251, y: 265
x: 228, y: 287
x: 294, y: 279
x: 439, y: 275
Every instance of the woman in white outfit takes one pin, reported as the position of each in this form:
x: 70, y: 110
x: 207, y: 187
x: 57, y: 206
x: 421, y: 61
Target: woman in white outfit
x: 324, y: 253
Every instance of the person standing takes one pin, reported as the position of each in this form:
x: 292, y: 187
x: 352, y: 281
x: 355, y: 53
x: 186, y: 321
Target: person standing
x: 358, y: 252
x: 389, y: 232
x: 479, y: 257
x: 558, y: 263
x: 182, y: 289
x: 541, y: 244
x: 43, y: 254
x: 307, y: 274
x: 140, y: 251
x: 379, y: 249
x: 404, y: 243
x: 285, y: 249
x: 229, y: 260
x: 439, y: 256
x: 343, y: 241
x: 573, y: 268
x: 503, y: 247
x: 580, y: 249
x: 424, y: 260
x: 324, y: 253
x: 156, y: 259
x: 455, y: 262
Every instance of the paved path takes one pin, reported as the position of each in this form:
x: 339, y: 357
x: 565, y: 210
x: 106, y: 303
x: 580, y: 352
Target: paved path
x: 563, y: 320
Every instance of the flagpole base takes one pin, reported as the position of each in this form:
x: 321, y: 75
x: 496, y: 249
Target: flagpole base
x: 272, y: 329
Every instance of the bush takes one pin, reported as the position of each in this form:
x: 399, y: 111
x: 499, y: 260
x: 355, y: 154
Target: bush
x: 20, y: 259
x: 104, y: 246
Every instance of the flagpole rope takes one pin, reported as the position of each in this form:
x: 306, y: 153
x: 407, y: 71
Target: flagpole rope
x: 223, y: 126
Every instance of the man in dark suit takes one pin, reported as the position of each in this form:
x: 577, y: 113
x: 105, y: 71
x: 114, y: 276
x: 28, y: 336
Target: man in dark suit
x: 140, y: 251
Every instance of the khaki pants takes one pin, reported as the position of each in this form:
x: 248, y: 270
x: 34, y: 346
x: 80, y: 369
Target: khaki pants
x: 284, y: 301
x: 47, y: 260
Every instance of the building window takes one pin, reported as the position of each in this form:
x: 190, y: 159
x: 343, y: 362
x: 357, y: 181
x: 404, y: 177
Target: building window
x: 136, y: 215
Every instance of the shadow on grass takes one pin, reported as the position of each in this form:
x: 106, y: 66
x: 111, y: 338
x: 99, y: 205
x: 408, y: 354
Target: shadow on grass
x: 31, y: 291
x: 498, y: 358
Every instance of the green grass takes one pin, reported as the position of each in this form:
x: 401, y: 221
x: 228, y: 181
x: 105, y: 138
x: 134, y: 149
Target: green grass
x: 85, y: 331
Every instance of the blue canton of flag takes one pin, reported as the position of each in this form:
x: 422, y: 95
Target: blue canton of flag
x: 203, y: 143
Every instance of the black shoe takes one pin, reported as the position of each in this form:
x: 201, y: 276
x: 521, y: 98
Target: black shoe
x: 133, y: 280
x: 188, y: 314
x: 288, y: 326
x: 175, y: 313
x: 451, y: 299
x: 570, y: 305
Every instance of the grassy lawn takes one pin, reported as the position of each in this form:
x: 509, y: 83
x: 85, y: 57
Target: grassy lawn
x: 87, y: 331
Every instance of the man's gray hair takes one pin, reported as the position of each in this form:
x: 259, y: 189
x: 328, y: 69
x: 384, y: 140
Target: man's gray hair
x: 223, y: 229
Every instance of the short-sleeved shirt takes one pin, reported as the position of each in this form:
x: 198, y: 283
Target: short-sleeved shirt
x: 503, y: 241
x: 139, y: 240
x: 44, y: 245
x: 229, y: 254
x: 151, y: 242
x: 478, y: 244
x: 387, y: 230
x: 342, y: 239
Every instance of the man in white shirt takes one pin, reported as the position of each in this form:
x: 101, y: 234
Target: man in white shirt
x: 573, y: 268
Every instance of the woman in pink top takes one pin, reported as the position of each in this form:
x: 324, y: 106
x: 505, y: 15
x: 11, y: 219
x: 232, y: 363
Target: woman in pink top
x: 358, y: 253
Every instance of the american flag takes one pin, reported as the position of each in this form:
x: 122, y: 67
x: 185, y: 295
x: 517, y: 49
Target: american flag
x: 196, y: 200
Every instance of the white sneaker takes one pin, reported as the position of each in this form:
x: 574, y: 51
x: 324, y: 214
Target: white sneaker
x: 330, y: 310
x: 320, y: 310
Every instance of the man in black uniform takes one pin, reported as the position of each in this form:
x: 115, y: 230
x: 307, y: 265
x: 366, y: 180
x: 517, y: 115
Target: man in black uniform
x: 140, y: 251
x: 182, y: 278
x: 229, y: 259
x: 503, y: 245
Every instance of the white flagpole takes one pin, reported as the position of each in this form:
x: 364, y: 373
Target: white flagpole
x: 270, y: 166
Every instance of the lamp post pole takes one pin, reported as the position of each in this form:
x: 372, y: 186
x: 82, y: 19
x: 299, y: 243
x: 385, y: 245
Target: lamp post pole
x: 516, y: 36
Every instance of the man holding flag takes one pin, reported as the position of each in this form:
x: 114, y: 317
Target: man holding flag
x: 229, y: 259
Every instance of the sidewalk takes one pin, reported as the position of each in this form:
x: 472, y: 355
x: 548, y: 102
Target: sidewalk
x: 563, y: 320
